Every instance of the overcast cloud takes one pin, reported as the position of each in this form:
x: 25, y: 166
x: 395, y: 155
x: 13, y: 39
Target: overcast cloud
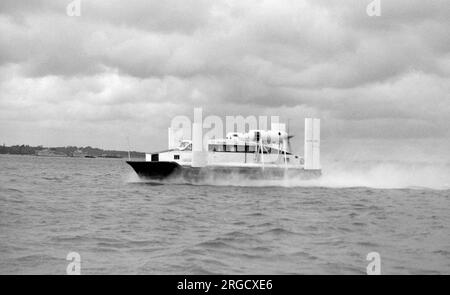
x: 127, y: 67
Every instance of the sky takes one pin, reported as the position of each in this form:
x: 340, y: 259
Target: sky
x: 124, y: 69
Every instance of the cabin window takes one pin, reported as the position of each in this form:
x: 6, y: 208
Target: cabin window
x: 241, y: 148
x: 216, y: 148
x: 230, y: 148
x: 185, y: 146
x: 155, y: 157
x: 176, y: 157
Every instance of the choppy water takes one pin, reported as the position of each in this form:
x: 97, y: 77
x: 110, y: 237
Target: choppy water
x: 97, y: 207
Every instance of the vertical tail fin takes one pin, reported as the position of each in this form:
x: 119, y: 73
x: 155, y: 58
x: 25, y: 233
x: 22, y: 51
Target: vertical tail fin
x: 170, y: 139
x: 199, y: 155
x: 312, y: 144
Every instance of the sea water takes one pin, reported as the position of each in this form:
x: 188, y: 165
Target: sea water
x: 119, y: 224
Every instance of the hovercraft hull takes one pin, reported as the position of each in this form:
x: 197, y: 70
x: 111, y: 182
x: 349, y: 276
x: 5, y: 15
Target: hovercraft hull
x: 173, y: 171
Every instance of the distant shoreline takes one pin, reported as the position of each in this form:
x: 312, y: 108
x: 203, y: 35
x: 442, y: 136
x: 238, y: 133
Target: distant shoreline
x: 74, y: 158
x: 67, y: 151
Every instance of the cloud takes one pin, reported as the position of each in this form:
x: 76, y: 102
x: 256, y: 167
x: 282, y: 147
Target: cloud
x: 124, y: 65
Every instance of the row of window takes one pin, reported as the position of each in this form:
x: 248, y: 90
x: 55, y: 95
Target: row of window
x: 231, y: 148
x: 177, y: 157
x: 236, y: 148
x: 239, y: 148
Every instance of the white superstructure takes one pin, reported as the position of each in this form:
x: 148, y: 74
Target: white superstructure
x: 256, y: 148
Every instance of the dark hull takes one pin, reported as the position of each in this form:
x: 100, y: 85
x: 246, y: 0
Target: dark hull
x: 172, y: 171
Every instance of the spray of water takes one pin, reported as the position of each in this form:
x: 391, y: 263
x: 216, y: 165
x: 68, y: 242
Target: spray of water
x: 382, y: 175
x: 385, y: 175
x: 342, y: 175
x: 132, y: 177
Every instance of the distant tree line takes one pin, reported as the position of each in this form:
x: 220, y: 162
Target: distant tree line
x: 67, y: 150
